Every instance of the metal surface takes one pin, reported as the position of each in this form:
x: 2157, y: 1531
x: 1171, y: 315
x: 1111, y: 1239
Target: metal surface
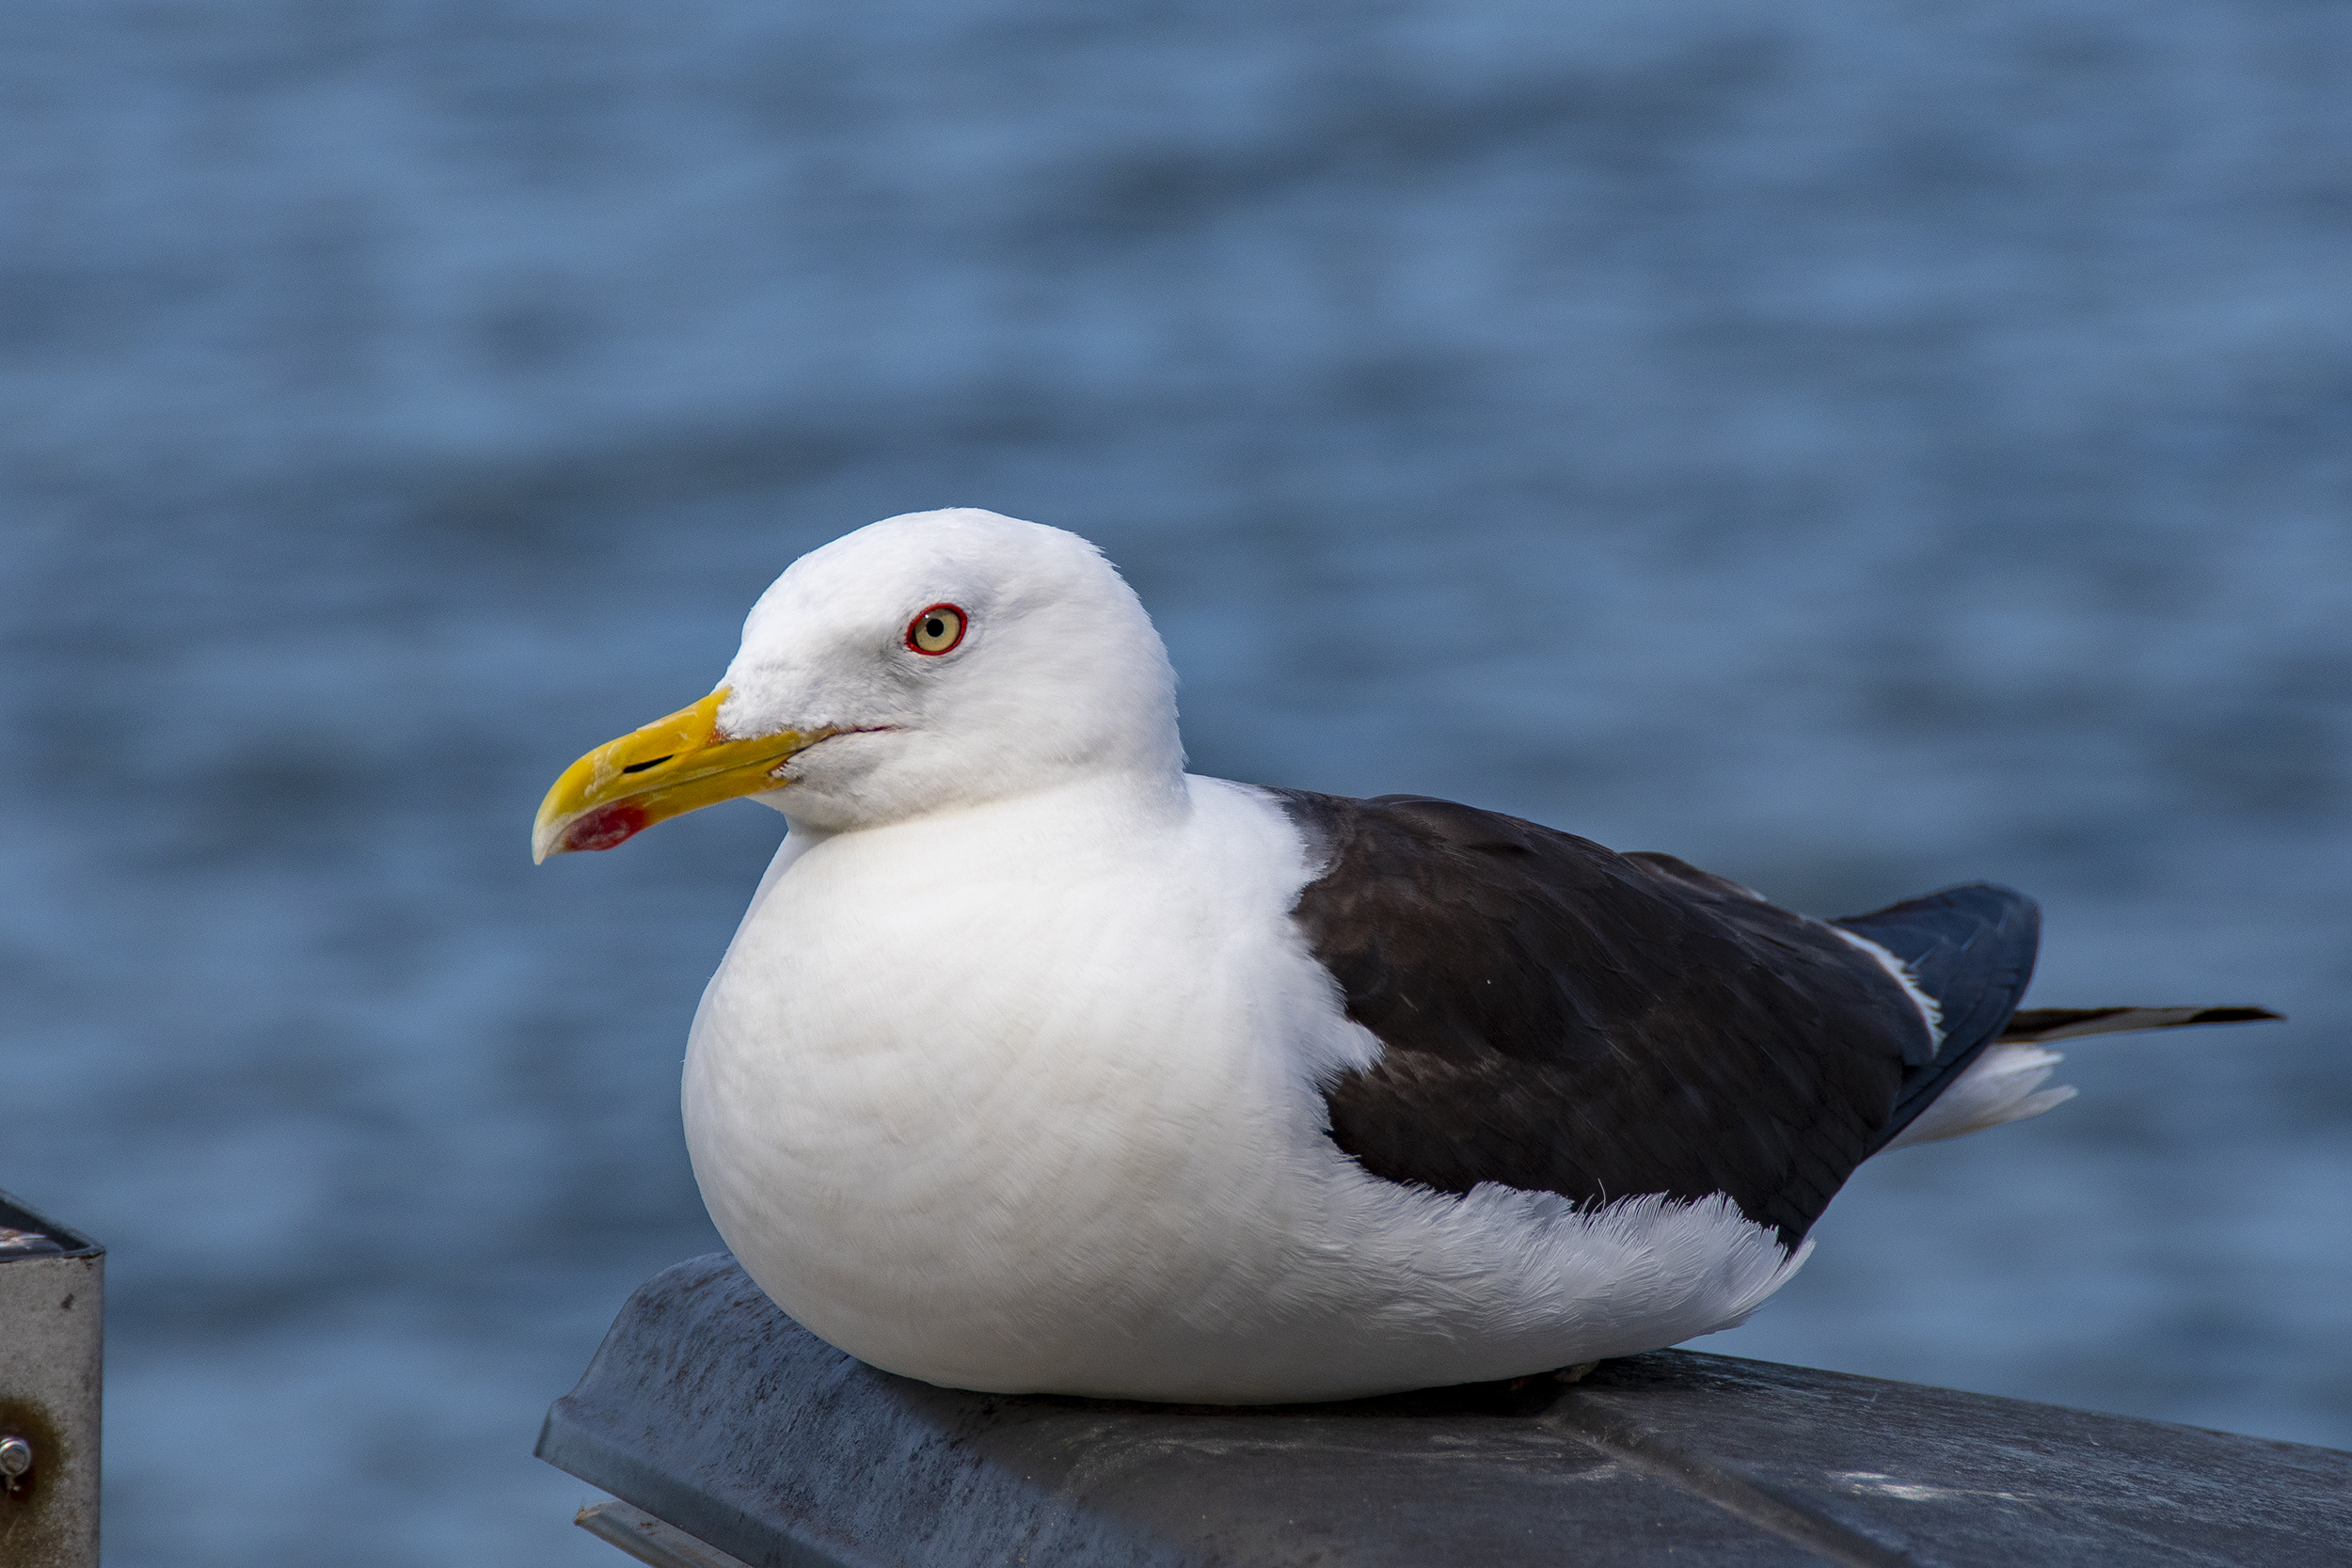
x: 51, y: 1323
x: 648, y: 1539
x: 709, y: 1409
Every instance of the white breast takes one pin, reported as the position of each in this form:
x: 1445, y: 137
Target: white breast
x: 1022, y: 1099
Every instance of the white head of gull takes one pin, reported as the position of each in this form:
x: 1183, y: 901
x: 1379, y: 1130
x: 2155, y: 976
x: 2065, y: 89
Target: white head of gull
x: 1043, y: 672
x: 1039, y: 1065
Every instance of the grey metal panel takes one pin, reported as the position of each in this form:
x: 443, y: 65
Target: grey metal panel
x: 707, y: 1408
x: 52, y: 1334
x: 1967, y: 1479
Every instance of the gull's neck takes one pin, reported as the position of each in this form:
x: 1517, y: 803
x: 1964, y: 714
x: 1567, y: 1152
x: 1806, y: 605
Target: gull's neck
x: 1103, y: 804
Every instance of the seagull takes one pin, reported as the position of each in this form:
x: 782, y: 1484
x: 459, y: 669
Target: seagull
x: 1041, y: 1066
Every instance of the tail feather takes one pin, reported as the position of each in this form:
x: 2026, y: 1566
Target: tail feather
x: 1970, y: 951
x: 2066, y: 1024
x: 2004, y: 1084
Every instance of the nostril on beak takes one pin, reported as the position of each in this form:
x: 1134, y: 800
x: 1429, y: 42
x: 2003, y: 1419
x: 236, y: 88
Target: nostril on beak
x: 649, y: 762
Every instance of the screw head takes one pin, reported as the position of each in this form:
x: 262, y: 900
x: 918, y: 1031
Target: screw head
x: 16, y: 1457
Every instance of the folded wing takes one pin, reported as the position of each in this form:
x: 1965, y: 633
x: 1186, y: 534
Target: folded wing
x: 1558, y: 1017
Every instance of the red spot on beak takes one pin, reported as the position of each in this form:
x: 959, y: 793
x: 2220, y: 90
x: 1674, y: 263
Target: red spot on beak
x: 604, y: 826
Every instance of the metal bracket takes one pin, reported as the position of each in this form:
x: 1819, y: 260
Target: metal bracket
x: 52, y: 1292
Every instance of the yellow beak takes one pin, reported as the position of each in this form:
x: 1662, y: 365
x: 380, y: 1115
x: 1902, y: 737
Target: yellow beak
x: 671, y: 766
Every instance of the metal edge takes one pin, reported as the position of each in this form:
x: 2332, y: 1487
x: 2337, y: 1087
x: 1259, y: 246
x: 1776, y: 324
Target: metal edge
x: 579, y: 1448
x: 650, y: 1539
x: 83, y: 1247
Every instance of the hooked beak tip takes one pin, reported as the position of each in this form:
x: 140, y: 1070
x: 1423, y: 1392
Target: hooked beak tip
x: 598, y: 828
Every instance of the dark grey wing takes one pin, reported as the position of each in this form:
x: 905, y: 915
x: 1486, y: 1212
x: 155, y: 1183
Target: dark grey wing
x: 1971, y: 949
x: 1558, y: 1017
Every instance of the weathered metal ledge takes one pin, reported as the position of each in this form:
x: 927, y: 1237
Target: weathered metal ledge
x: 719, y: 1417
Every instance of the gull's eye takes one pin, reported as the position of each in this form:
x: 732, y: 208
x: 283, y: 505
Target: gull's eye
x: 935, y: 630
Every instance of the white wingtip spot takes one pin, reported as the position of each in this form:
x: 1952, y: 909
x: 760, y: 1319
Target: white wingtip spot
x: 1929, y: 1009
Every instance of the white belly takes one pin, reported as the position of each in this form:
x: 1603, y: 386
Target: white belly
x: 1029, y: 1104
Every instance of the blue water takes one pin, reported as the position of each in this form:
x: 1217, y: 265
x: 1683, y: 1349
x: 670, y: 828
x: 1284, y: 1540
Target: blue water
x: 1855, y: 446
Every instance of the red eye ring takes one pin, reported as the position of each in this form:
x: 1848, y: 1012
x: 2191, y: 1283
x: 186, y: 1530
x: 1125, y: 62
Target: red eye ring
x: 937, y: 629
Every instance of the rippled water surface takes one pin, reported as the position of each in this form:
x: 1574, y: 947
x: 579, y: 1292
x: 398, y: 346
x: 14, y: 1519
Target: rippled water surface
x: 1854, y: 446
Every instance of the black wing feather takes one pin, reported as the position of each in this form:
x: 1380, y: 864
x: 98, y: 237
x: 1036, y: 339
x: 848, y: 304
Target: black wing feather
x: 1972, y: 948
x: 1558, y: 1017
